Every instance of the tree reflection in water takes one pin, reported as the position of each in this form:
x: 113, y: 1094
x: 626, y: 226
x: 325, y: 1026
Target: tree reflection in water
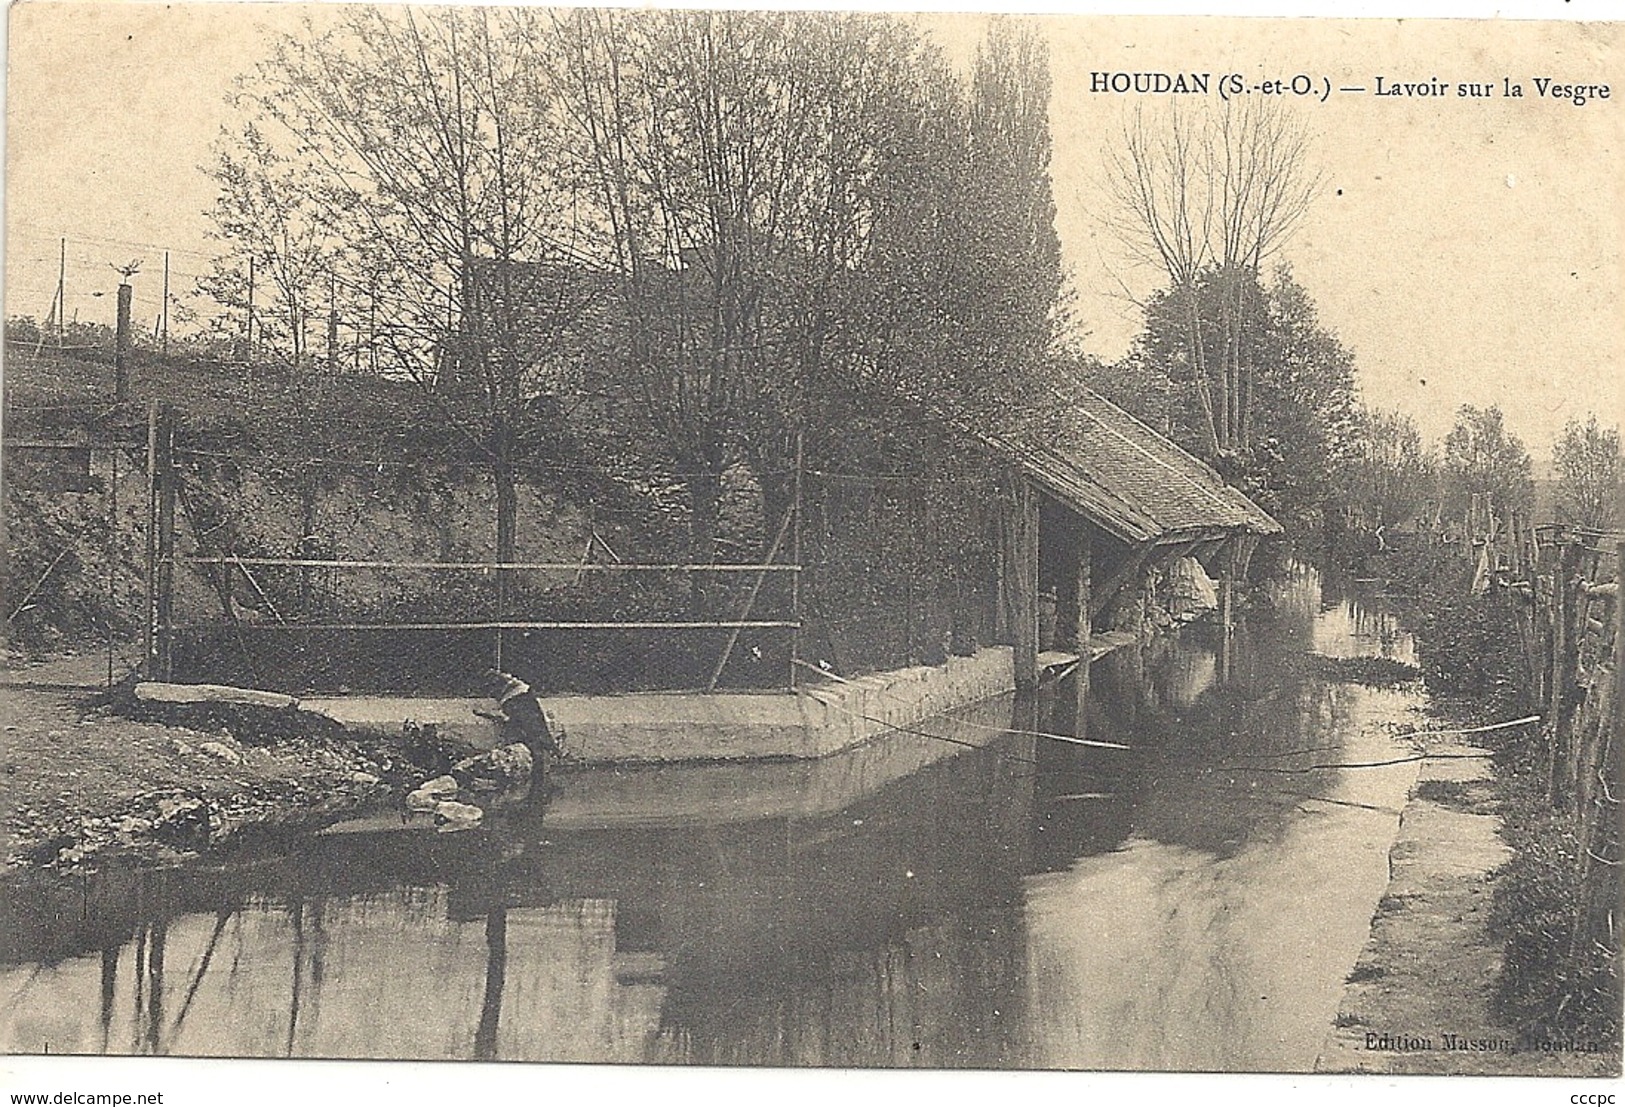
x: 993, y: 899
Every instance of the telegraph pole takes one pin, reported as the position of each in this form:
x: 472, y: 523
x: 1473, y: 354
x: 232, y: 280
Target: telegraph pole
x: 165, y: 314
x: 332, y: 322
x: 61, y: 292
x: 250, y: 337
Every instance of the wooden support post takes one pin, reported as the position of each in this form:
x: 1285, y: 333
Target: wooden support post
x: 1227, y: 599
x: 163, y: 314
x: 1084, y: 633
x: 1021, y: 579
x: 1083, y: 629
x: 166, y: 545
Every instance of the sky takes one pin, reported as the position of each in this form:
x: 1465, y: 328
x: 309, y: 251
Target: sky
x: 1466, y: 250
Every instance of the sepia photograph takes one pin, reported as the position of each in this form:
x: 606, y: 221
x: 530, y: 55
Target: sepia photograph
x: 808, y: 540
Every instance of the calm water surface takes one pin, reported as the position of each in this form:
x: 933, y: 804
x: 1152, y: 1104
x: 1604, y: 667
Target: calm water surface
x: 969, y: 896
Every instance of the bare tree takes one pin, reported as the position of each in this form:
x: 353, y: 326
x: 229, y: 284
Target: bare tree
x: 430, y: 140
x: 729, y: 156
x: 1590, y: 473
x: 271, y: 218
x: 1211, y: 195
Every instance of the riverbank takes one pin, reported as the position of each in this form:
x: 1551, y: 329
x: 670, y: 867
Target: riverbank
x: 167, y: 770
x: 1419, y: 999
x: 84, y: 783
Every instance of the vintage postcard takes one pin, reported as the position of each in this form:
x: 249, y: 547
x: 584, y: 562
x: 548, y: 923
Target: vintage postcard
x: 808, y: 539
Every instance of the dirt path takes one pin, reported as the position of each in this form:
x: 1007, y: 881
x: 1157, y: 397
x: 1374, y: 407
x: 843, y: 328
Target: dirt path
x: 1418, y: 1000
x: 80, y: 780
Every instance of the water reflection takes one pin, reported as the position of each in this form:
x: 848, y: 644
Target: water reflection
x: 1358, y: 624
x: 988, y: 899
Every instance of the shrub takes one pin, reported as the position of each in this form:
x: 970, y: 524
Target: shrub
x: 1543, y: 989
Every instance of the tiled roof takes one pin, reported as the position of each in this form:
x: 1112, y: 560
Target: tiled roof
x: 1124, y: 476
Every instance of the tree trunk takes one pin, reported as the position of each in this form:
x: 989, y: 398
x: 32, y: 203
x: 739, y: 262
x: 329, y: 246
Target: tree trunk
x: 1198, y: 358
x: 507, y: 493
x: 506, y: 484
x: 507, y: 490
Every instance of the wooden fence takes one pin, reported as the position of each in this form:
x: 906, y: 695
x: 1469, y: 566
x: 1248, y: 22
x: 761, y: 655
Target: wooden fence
x: 1565, y: 583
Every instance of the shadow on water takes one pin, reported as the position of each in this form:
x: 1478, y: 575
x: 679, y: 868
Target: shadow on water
x: 968, y: 895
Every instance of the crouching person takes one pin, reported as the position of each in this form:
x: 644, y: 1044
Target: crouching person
x: 522, y: 719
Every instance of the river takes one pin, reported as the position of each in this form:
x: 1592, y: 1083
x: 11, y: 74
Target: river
x: 967, y: 894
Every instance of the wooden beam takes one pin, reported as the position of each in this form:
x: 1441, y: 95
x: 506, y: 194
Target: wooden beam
x: 503, y: 625
x: 1128, y: 568
x: 487, y: 566
x: 1021, y: 577
x: 1169, y: 553
x: 1194, y: 534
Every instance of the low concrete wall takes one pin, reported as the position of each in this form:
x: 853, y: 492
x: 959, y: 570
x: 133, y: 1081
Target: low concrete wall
x: 452, y: 718
x: 664, y: 727
x: 689, y: 794
x: 844, y: 714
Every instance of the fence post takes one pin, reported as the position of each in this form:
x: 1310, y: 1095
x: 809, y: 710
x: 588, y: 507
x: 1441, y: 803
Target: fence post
x: 1604, y: 915
x: 1554, y: 670
x: 795, y: 575
x: 1566, y: 716
x: 149, y: 613
x: 165, y: 457
x: 112, y: 545
x: 1617, y: 730
x: 1596, y: 911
